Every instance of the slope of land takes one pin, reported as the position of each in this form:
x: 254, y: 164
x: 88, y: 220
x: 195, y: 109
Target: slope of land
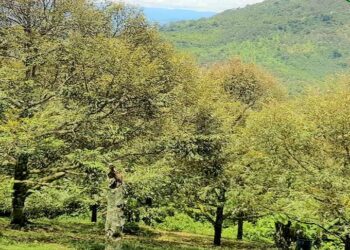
x: 300, y: 41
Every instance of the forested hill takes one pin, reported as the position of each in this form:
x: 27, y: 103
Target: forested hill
x: 298, y: 40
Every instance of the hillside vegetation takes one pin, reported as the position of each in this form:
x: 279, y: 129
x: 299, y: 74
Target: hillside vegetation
x: 300, y: 41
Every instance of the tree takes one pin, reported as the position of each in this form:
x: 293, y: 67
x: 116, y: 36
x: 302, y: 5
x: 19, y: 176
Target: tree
x: 251, y: 88
x: 75, y: 95
x: 226, y: 94
x: 308, y: 148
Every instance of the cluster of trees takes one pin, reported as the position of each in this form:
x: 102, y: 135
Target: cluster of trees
x: 85, y: 88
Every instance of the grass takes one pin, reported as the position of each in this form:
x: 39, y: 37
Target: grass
x: 260, y: 231
x: 66, y: 234
x: 34, y: 246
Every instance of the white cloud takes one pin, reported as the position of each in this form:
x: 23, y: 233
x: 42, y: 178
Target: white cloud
x: 205, y: 5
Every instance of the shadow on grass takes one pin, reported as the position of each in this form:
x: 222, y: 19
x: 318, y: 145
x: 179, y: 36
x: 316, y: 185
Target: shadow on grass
x: 82, y: 235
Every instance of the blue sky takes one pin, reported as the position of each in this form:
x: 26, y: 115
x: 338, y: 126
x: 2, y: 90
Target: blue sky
x: 201, y: 5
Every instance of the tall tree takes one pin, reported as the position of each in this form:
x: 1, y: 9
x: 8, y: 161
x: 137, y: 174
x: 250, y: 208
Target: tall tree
x: 225, y: 95
x: 75, y: 93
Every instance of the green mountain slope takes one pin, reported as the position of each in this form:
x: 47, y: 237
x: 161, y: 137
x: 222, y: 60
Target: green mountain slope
x: 301, y: 41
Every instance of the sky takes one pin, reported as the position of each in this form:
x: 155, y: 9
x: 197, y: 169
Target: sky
x: 200, y: 5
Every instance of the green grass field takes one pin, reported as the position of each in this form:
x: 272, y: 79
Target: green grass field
x: 64, y: 234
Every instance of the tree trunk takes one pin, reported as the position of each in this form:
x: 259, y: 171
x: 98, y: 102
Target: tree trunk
x: 240, y: 229
x: 283, y: 237
x: 218, y: 225
x: 347, y: 243
x: 94, y: 213
x: 115, y: 216
x: 115, y: 204
x: 20, y: 190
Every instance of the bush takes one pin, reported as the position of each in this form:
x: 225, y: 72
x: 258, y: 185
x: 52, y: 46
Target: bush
x: 184, y: 223
x: 51, y: 203
x: 262, y: 230
x: 48, y: 202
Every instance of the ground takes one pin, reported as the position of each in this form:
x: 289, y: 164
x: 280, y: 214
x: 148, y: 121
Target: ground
x: 66, y: 234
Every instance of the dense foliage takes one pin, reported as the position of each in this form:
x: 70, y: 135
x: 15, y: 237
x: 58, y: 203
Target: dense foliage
x: 69, y: 111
